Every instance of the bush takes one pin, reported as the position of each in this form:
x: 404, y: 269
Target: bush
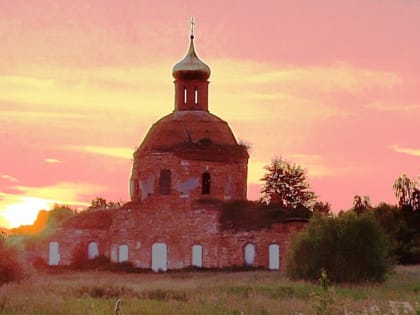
x: 80, y: 260
x: 10, y: 269
x: 402, y: 225
x: 350, y: 248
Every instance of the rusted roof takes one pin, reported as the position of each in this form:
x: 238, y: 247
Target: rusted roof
x: 183, y: 132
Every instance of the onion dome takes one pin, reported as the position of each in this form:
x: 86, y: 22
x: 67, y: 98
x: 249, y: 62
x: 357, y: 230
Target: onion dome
x: 191, y: 67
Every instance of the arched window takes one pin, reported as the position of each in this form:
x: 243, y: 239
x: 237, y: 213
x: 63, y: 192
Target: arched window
x: 249, y: 254
x: 205, y: 183
x: 185, y: 95
x: 54, y: 254
x: 122, y: 253
x: 195, y: 96
x: 197, y: 256
x: 274, y: 257
x: 165, y: 182
x: 159, y: 257
x: 93, y: 250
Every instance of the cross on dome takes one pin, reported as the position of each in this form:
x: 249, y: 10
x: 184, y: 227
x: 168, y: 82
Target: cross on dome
x: 192, y: 22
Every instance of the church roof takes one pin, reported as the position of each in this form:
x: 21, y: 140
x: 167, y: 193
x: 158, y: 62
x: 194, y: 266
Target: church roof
x: 192, y: 135
x: 191, y: 67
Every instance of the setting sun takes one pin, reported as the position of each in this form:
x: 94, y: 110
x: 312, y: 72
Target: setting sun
x: 26, y: 211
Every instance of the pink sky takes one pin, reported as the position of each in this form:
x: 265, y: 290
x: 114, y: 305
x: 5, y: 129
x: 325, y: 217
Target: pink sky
x: 332, y: 85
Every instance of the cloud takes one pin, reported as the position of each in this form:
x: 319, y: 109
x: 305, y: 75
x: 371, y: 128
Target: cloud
x: 22, y: 207
x: 9, y: 178
x: 51, y: 161
x: 86, y: 91
x: 115, y: 152
x: 31, y: 115
x: 392, y: 107
x: 332, y: 78
x: 62, y: 193
x: 314, y: 164
x: 408, y: 151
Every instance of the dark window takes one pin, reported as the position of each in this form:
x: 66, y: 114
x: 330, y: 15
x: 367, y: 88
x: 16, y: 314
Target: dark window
x: 205, y: 183
x: 165, y: 182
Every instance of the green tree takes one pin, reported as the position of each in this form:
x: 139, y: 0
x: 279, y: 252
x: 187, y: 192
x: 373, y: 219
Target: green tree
x: 402, y: 228
x: 285, y: 183
x: 350, y: 247
x: 403, y: 188
x: 361, y: 205
x: 415, y: 199
x: 321, y: 207
x: 10, y: 268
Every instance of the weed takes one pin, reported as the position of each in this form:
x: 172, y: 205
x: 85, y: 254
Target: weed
x: 325, y: 297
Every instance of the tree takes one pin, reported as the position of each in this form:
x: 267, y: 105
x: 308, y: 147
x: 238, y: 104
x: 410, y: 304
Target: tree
x: 404, y: 187
x: 350, y: 247
x: 359, y: 205
x: 323, y: 208
x: 286, y: 184
x: 10, y: 268
x: 415, y: 199
x: 101, y: 203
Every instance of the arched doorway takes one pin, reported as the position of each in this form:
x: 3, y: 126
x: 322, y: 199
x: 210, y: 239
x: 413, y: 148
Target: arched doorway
x: 159, y: 257
x: 274, y: 257
x: 122, y: 253
x: 53, y: 254
x: 93, y: 250
x: 197, y: 256
x: 249, y: 254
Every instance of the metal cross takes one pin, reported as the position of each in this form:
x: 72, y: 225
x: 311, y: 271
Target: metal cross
x: 192, y: 25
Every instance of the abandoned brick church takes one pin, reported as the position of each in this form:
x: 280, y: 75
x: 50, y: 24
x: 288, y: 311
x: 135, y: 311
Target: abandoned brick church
x: 188, y: 167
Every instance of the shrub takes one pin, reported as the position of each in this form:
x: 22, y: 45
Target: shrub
x: 10, y: 269
x: 351, y: 248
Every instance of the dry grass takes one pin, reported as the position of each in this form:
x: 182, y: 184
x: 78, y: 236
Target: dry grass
x: 255, y: 292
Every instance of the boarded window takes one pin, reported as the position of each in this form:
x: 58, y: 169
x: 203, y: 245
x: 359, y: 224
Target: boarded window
x: 274, y: 257
x: 134, y: 188
x: 249, y: 254
x: 93, y: 250
x: 159, y: 257
x: 122, y: 253
x: 205, y: 183
x: 53, y: 254
x: 197, y: 256
x: 165, y: 182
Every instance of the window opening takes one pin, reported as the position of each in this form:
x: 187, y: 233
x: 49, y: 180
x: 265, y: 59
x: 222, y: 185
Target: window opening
x: 123, y: 253
x: 165, y: 182
x: 205, y: 183
x: 159, y: 257
x: 195, y: 96
x: 93, y: 250
x: 197, y: 256
x: 274, y: 257
x: 54, y: 254
x: 249, y: 254
x: 185, y: 95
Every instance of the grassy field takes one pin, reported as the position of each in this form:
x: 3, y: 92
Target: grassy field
x: 253, y: 292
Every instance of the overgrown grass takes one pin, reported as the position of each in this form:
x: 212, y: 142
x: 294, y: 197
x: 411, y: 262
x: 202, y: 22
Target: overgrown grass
x: 192, y: 292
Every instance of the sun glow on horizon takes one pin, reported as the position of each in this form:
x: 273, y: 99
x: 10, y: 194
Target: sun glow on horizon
x: 26, y: 211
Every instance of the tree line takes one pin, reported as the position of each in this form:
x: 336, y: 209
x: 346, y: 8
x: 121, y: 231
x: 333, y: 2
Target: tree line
x: 362, y: 243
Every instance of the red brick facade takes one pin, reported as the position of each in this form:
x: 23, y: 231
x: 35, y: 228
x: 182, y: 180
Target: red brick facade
x: 188, y: 159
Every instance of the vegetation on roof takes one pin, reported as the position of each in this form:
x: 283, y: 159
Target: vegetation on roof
x: 249, y: 215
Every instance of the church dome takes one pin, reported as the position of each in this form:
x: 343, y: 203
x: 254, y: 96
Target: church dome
x: 185, y: 129
x: 191, y: 67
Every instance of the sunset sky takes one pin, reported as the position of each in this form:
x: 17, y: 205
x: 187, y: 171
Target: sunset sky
x: 332, y: 85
